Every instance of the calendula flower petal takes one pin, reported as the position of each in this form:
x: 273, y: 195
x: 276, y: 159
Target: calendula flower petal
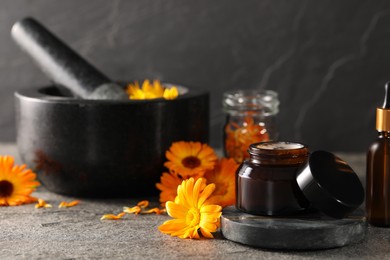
x: 158, y: 89
x: 210, y: 209
x: 205, y: 220
x: 132, y: 87
x: 133, y: 210
x: 198, y: 187
x: 42, y: 204
x: 64, y: 204
x: 190, y: 215
x: 187, y: 232
x: 146, y: 86
x: 224, y: 178
x: 170, y: 226
x: 182, y: 195
x: 16, y: 183
x: 112, y: 216
x: 205, y: 194
x: 143, y: 204
x: 210, y: 217
x: 194, y: 234
x: 138, y: 94
x: 171, y: 93
x: 206, y: 233
x: 177, y: 211
x: 212, y: 227
x: 153, y: 210
x: 168, y: 186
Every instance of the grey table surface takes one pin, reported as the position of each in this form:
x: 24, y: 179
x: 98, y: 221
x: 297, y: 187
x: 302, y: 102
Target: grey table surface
x: 78, y: 233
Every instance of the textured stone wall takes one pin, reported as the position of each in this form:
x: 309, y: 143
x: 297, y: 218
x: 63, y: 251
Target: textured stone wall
x: 328, y: 60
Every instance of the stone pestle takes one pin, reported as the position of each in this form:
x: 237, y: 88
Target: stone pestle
x: 63, y: 65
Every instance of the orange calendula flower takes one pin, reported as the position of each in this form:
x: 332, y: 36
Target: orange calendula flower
x: 190, y: 159
x: 150, y: 90
x: 65, y: 204
x: 42, y: 204
x: 112, y: 216
x: 192, y: 211
x: 224, y: 178
x: 133, y: 210
x: 168, y: 186
x: 16, y: 183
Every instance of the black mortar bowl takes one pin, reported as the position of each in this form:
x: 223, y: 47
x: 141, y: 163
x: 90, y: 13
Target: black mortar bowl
x: 104, y: 148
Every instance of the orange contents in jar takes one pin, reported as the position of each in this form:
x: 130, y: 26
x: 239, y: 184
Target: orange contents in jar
x: 238, y: 137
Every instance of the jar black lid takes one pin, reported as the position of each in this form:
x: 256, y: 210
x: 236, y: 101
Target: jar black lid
x: 330, y: 184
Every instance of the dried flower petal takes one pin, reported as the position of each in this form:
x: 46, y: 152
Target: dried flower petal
x: 42, y: 204
x: 154, y: 210
x: 64, y: 204
x: 112, y: 216
x: 143, y: 204
x: 134, y: 210
x: 238, y: 137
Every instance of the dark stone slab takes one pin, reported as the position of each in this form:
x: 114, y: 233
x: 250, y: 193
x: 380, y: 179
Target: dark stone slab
x: 304, y: 232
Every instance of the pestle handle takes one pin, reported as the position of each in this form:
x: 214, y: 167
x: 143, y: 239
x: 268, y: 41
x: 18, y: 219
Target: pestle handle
x: 61, y: 64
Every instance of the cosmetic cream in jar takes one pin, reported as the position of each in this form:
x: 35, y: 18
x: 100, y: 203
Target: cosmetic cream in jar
x: 266, y: 182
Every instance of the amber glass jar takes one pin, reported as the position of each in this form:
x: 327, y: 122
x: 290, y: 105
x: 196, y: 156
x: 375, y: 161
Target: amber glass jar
x: 250, y: 118
x: 266, y: 182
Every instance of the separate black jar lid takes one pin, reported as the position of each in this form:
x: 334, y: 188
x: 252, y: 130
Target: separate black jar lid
x: 330, y: 184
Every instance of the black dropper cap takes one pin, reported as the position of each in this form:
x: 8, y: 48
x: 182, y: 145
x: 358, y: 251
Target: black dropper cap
x: 386, y: 103
x: 383, y: 113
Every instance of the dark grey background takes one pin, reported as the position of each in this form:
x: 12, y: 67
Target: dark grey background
x: 328, y: 60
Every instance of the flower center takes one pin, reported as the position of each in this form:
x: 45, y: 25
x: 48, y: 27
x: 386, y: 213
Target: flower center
x: 191, y: 162
x: 6, y: 188
x: 193, y: 217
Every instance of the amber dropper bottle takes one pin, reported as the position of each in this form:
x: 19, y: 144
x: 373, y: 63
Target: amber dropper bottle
x: 378, y: 168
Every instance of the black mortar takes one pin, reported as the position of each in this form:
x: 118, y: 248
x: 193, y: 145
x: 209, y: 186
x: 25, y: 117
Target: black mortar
x: 104, y: 148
